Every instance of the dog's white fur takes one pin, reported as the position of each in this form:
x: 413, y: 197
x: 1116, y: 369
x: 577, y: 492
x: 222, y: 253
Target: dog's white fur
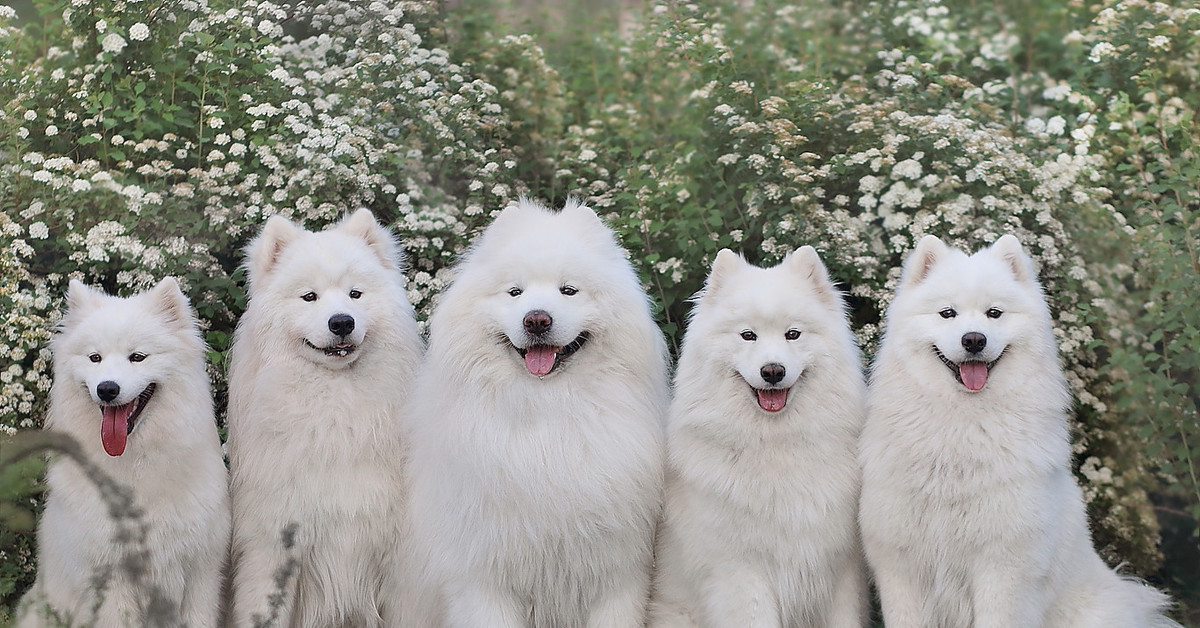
x: 760, y: 526
x: 315, y: 438
x: 172, y: 466
x: 970, y: 515
x: 535, y: 498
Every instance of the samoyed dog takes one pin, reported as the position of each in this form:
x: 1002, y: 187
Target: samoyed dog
x: 760, y: 526
x: 970, y: 515
x: 321, y: 363
x: 131, y: 388
x: 537, y: 420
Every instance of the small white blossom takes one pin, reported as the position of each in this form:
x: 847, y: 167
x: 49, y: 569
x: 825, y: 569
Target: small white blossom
x: 1102, y: 51
x: 1056, y: 125
x: 139, y: 32
x: 39, y: 230
x: 907, y: 169
x: 1058, y: 92
x: 870, y: 184
x: 113, y: 43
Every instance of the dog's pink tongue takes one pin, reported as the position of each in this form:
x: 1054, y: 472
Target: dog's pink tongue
x: 772, y: 400
x: 539, y: 359
x: 114, y: 428
x: 973, y: 374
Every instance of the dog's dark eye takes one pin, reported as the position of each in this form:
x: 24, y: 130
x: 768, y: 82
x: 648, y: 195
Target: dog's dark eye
x: 948, y: 313
x: 309, y: 296
x: 749, y: 336
x: 994, y: 313
x: 514, y: 292
x: 792, y: 334
x: 354, y: 294
x: 137, y: 357
x: 569, y: 291
x: 95, y: 357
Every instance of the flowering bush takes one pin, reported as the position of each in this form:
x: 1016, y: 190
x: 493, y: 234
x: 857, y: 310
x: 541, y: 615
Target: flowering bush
x: 140, y: 141
x: 1142, y: 68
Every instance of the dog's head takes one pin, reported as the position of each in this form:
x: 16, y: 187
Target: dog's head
x: 543, y: 289
x: 121, y: 351
x: 968, y: 313
x: 323, y: 291
x: 766, y: 327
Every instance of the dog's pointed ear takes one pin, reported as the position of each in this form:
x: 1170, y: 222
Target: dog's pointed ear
x: 723, y: 264
x: 916, y: 268
x: 263, y: 252
x: 575, y: 207
x: 806, y: 263
x: 362, y: 224
x: 81, y: 297
x: 1008, y: 248
x: 172, y: 303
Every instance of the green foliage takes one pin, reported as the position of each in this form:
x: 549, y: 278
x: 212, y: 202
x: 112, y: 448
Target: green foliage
x: 18, y: 504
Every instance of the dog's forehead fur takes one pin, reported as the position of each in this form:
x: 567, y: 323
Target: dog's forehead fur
x: 771, y: 298
x: 326, y: 258
x: 530, y: 244
x: 103, y: 325
x: 526, y: 235
x: 971, y: 283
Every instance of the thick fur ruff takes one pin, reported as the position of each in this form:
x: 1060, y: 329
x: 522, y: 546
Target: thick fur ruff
x: 537, y: 431
x: 108, y: 353
x: 760, y: 525
x: 321, y: 364
x: 970, y: 515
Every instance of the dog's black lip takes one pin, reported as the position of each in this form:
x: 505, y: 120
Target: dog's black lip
x: 335, y: 349
x: 953, y: 366
x: 141, y: 400
x: 565, y: 352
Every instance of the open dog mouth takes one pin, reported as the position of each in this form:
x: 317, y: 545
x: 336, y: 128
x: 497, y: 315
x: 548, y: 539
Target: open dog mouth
x: 119, y: 421
x: 970, y: 373
x: 339, y: 350
x: 771, y: 399
x: 541, y: 360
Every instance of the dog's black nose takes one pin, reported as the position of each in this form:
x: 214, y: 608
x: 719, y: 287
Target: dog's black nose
x: 773, y: 373
x: 107, y: 390
x: 538, y: 322
x: 341, y: 324
x: 974, y: 342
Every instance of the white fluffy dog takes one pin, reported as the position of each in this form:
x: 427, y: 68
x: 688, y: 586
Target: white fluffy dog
x: 537, y: 430
x: 321, y: 364
x: 970, y: 515
x: 134, y: 368
x: 760, y: 527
